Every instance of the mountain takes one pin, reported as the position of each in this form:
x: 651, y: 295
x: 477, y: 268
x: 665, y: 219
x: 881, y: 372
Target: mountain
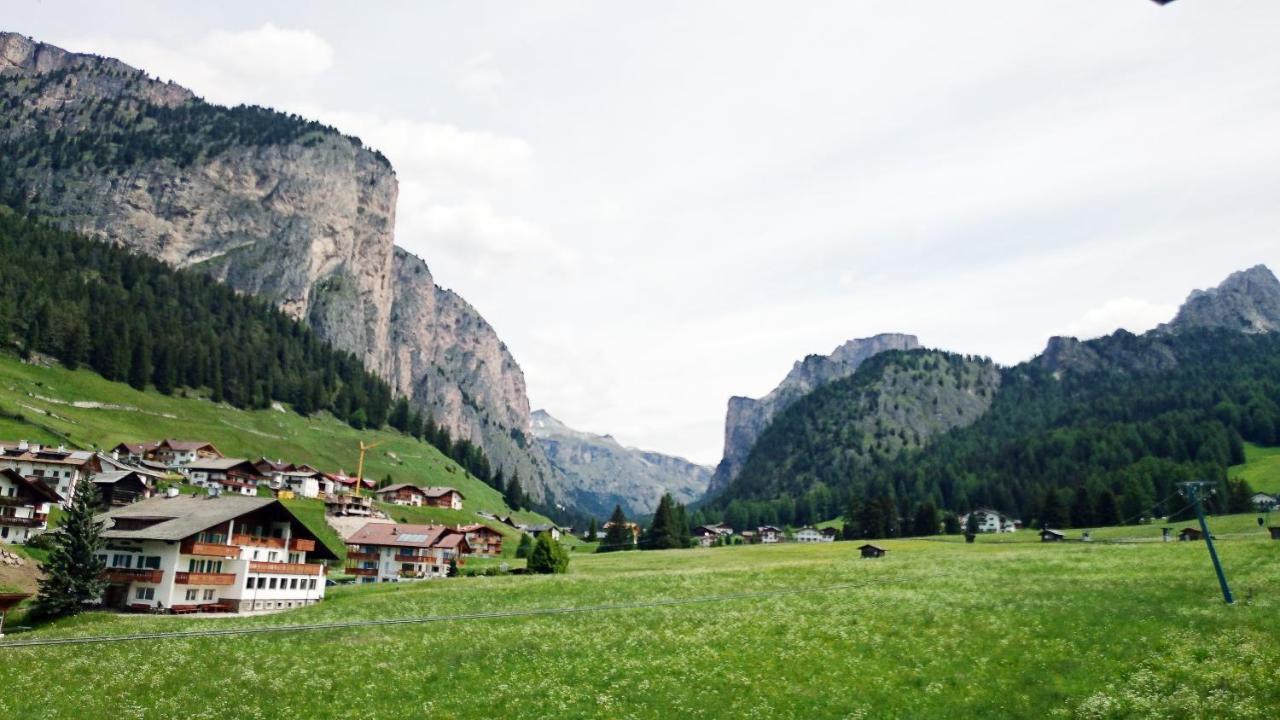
x: 1248, y: 301
x: 271, y: 204
x: 602, y: 473
x: 893, y: 404
x: 748, y: 417
x: 1089, y: 432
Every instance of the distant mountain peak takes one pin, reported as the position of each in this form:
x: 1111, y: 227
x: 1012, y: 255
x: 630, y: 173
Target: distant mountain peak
x: 1248, y: 301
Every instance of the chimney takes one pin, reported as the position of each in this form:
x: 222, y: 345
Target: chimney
x: 22, y: 445
x: 115, y: 454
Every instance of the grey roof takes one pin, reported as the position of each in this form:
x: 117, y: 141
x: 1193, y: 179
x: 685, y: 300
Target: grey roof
x: 187, y: 515
x: 115, y: 476
x: 216, y: 464
x: 399, y: 486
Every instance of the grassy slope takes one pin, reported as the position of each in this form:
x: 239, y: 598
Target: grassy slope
x: 936, y: 629
x: 1261, y: 468
x: 42, y: 396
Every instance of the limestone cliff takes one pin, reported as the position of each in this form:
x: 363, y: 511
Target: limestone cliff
x: 272, y: 204
x: 1248, y: 301
x: 600, y: 472
x: 748, y: 417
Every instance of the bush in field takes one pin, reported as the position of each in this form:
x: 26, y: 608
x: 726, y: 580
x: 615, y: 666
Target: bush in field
x: 548, y: 556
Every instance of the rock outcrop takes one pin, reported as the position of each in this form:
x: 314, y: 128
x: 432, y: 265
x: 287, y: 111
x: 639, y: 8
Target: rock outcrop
x: 273, y: 205
x: 748, y: 417
x: 599, y: 472
x: 1247, y: 301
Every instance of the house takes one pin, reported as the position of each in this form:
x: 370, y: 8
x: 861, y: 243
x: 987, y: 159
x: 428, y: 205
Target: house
x: 24, y: 506
x: 121, y: 487
x: 990, y: 521
x: 871, y: 551
x: 633, y: 528
x: 536, y: 530
x: 769, y: 534
x: 809, y: 535
x: 301, y: 482
x: 482, y: 539
x: 231, y: 475
x: 1047, y: 535
x: 385, y: 552
x: 183, y: 553
x: 346, y: 504
x: 1263, y: 502
x: 1188, y: 534
x: 443, y: 497
x: 829, y: 534
x: 708, y: 535
x: 181, y: 452
x: 341, y: 482
x: 403, y: 494
x: 61, y: 469
x: 135, y: 452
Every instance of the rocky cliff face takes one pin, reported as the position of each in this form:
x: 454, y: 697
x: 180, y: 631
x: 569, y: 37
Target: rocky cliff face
x: 1248, y: 301
x: 748, y: 417
x: 602, y: 473
x: 273, y: 205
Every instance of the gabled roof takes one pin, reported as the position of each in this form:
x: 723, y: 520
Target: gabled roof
x: 433, y: 492
x: 35, y: 485
x: 115, y: 476
x: 218, y: 464
x: 399, y: 535
x: 872, y: 546
x: 187, y: 446
x: 136, y: 448
x: 400, y: 486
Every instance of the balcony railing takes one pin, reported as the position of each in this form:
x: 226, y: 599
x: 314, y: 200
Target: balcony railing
x: 31, y: 522
x: 245, y: 539
x: 194, y: 578
x: 365, y: 572
x: 192, y: 547
x: 412, y: 558
x: 287, y: 568
x: 362, y: 556
x: 128, y: 575
x: 302, y: 545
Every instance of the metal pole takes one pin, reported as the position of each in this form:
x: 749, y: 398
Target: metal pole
x: 1193, y: 493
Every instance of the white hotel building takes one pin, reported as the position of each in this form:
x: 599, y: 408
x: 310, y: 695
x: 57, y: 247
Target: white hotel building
x: 189, y: 553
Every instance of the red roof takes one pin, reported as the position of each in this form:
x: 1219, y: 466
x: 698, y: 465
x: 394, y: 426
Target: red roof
x: 400, y: 535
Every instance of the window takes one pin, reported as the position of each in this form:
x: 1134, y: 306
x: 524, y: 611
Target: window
x: 272, y: 584
x: 121, y: 561
x: 293, y: 584
x: 145, y: 593
x: 262, y: 582
x: 311, y: 584
x: 192, y: 594
x: 151, y: 562
x: 209, y: 594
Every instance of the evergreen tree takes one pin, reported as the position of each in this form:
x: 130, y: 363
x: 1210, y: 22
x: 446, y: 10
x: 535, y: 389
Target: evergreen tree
x: 1106, y: 512
x: 616, y: 536
x: 526, y: 543
x: 453, y: 568
x: 73, y: 572
x: 971, y: 523
x: 1239, y: 496
x: 514, y: 493
x: 592, y: 531
x: 1053, y: 514
x: 951, y: 524
x: 925, y: 522
x: 400, y: 415
x: 664, y: 533
x: 1082, y: 509
x: 547, y: 556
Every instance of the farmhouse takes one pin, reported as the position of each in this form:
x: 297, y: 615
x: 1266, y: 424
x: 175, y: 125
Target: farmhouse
x: 811, y: 535
x: 383, y: 552
x: 990, y: 521
x: 61, y: 469
x: 1189, y: 534
x: 709, y: 535
x: 871, y: 551
x: 181, y: 452
x: 135, y: 452
x: 482, y: 539
x: 1263, y: 502
x: 403, y: 494
x: 1047, y: 535
x: 121, y: 487
x: 769, y: 534
x: 24, y: 506
x: 536, y: 530
x: 829, y: 534
x: 232, y: 475
x: 443, y: 497
x: 184, y: 553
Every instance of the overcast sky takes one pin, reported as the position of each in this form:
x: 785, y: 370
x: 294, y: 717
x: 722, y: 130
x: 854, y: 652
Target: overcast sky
x: 662, y: 204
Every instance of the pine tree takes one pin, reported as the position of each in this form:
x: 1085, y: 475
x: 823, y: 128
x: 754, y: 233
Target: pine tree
x: 617, y: 536
x: 453, y: 567
x: 73, y: 572
x: 1082, y: 509
x: 663, y: 533
x: 1107, y: 511
x: 971, y: 523
x: 592, y: 531
x: 514, y: 493
x: 1053, y: 514
x: 526, y: 543
x: 925, y: 522
x: 547, y: 556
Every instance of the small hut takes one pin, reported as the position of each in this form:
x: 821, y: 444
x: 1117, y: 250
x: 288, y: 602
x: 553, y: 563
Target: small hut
x: 1166, y: 534
x: 1275, y: 532
x: 871, y: 551
x: 1188, y: 534
x: 1047, y: 535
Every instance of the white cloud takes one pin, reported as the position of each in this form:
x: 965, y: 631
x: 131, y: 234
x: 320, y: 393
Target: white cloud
x: 1133, y: 314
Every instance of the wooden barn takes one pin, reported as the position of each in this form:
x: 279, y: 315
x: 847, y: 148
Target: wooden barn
x: 872, y: 551
x: 1047, y: 535
x: 1188, y: 534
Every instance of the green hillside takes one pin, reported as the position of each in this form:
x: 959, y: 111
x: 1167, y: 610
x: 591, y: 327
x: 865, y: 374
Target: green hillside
x: 81, y: 409
x: 1261, y: 468
x: 937, y: 629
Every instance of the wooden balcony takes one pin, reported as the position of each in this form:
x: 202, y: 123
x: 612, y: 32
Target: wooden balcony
x: 31, y: 522
x: 412, y: 558
x: 191, y: 547
x: 363, y: 572
x: 287, y: 568
x: 124, y: 576
x: 302, y: 545
x: 191, y: 578
x: 362, y: 556
x: 269, y: 542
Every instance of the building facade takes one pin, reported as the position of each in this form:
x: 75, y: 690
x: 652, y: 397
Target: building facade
x: 24, y: 506
x: 383, y: 552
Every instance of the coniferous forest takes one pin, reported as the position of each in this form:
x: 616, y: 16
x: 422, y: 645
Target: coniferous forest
x: 134, y: 319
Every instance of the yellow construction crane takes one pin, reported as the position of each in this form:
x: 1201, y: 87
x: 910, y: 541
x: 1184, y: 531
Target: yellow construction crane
x: 360, y: 466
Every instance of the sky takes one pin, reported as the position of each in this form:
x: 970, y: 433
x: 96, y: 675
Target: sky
x: 659, y: 205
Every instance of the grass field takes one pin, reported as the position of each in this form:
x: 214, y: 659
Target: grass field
x: 934, y: 630
x: 1261, y: 468
x: 84, y: 410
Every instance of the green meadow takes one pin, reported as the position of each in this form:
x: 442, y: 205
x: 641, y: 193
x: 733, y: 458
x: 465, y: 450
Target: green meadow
x: 1001, y: 628
x: 1261, y: 468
